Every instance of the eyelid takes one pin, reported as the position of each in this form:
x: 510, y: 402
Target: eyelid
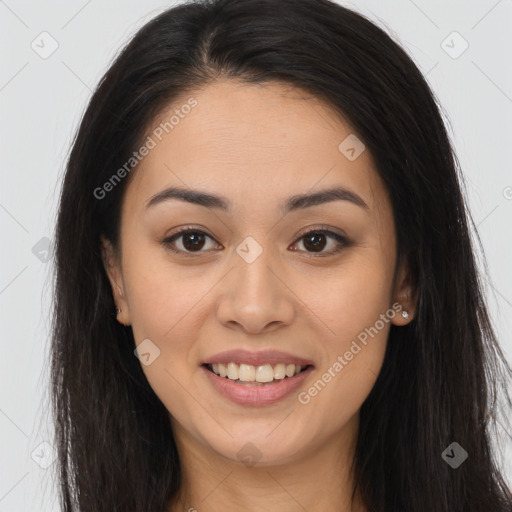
x: 323, y: 229
x: 341, y: 239
x: 168, y: 240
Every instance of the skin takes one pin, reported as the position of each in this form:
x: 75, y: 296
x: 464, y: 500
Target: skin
x: 257, y: 145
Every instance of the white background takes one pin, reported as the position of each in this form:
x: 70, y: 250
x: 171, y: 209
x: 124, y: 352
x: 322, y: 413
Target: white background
x: 41, y: 102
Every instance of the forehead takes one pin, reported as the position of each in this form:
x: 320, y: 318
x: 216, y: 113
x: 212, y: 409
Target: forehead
x: 250, y: 142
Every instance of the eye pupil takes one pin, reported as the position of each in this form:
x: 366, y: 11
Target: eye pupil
x: 316, y: 244
x: 197, y: 243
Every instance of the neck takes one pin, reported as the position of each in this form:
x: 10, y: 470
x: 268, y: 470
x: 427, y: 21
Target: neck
x: 317, y: 479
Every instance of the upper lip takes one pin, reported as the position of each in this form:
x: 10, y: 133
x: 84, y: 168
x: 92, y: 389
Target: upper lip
x: 260, y: 358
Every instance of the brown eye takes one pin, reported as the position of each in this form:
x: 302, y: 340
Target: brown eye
x: 192, y: 241
x: 315, y: 241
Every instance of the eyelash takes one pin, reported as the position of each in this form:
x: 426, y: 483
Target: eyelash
x: 344, y: 242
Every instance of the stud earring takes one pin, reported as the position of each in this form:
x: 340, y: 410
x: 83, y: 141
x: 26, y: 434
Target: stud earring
x: 116, y: 311
x: 405, y: 314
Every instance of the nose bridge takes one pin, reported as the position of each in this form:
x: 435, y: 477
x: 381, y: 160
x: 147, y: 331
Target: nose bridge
x: 256, y: 296
x: 254, y: 267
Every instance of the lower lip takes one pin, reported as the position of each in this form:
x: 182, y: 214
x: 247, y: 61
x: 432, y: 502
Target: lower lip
x: 256, y: 396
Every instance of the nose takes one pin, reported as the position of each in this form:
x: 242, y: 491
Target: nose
x: 254, y: 296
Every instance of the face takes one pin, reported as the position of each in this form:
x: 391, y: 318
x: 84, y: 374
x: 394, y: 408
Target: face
x: 261, y: 269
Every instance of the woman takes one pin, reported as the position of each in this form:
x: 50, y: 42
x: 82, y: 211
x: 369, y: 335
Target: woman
x: 265, y: 195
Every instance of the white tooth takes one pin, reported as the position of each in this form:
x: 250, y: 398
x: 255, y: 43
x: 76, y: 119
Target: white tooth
x: 264, y: 373
x: 232, y: 371
x: 247, y: 373
x: 223, y: 370
x: 290, y: 370
x: 279, y: 371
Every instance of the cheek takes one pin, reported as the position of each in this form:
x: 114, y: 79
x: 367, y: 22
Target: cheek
x: 162, y: 296
x: 350, y: 298
x: 169, y: 305
x: 354, y: 307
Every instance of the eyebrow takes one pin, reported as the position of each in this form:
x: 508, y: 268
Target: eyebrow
x: 293, y: 203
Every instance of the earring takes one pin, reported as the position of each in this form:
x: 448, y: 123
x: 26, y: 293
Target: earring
x: 116, y: 311
x: 405, y: 314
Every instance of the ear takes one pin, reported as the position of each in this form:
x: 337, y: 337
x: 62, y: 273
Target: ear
x: 115, y: 276
x: 405, y: 294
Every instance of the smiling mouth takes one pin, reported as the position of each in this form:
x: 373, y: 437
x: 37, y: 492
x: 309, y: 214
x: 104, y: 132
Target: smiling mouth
x: 263, y: 375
